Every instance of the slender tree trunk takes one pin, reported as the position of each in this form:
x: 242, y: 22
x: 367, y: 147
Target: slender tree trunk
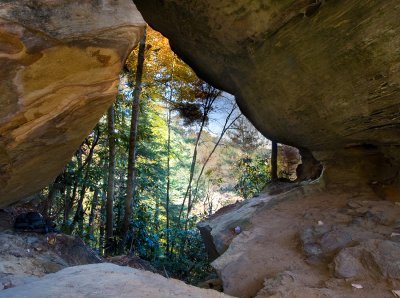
x: 169, y: 114
x: 93, y: 211
x: 168, y: 180
x: 67, y: 200
x: 226, y: 126
x: 121, y: 196
x: 70, y: 200
x: 130, y: 189
x: 79, y: 214
x: 102, y: 224
x: 188, y: 194
x: 111, y: 173
x: 274, y: 161
x: 54, y: 188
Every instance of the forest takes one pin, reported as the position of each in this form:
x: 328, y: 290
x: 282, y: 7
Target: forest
x: 169, y: 152
x: 234, y: 149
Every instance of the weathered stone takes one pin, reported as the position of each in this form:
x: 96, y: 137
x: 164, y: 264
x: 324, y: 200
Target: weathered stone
x: 107, y: 280
x: 347, y: 264
x: 280, y: 238
x: 334, y: 240
x: 285, y: 284
x: 379, y: 212
x: 59, y: 62
x: 265, y: 246
x: 30, y: 254
x: 312, y: 249
x: 219, y: 230
x: 310, y: 168
x: 374, y: 258
x: 326, y: 81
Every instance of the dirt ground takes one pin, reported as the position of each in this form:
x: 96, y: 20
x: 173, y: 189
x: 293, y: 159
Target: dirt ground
x: 308, y: 242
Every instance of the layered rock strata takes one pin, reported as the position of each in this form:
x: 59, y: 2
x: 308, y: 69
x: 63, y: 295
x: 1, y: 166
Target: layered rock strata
x: 60, y: 62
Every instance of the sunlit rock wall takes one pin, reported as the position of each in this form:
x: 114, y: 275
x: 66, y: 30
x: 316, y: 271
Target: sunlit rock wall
x: 59, y: 67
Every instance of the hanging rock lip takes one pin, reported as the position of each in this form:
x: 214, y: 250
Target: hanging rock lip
x: 303, y: 73
x: 74, y: 15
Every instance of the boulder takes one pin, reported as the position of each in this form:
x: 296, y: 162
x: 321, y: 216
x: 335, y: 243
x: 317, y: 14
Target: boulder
x: 107, y: 280
x: 323, y: 76
x: 305, y: 242
x: 263, y: 246
x: 134, y: 262
x: 321, y: 241
x: 372, y: 258
x: 60, y: 63
x: 26, y: 256
x: 335, y: 240
x: 218, y: 231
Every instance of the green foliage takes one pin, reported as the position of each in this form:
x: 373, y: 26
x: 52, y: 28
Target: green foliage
x: 170, y: 87
x: 192, y: 265
x: 253, y: 175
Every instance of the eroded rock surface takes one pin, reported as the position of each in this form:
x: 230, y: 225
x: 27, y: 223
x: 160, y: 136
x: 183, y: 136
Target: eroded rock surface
x: 24, y: 257
x: 107, y: 280
x: 321, y: 75
x: 308, y: 242
x: 59, y: 62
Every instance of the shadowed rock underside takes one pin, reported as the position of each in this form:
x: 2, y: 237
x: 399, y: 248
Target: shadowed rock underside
x: 320, y: 75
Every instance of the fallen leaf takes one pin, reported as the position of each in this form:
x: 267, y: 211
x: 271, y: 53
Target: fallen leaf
x: 396, y: 293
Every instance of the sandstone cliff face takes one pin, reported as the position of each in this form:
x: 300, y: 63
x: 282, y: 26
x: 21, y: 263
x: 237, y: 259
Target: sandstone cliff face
x: 321, y: 75
x: 59, y: 62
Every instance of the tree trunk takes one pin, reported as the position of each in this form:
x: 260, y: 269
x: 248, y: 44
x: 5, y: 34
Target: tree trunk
x: 79, y: 213
x: 93, y: 212
x: 67, y: 199
x: 130, y: 189
x: 225, y: 128
x: 111, y: 173
x: 274, y: 161
x: 168, y: 180
x: 188, y: 195
x: 54, y: 188
x: 102, y: 224
x: 70, y: 200
x: 169, y: 159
